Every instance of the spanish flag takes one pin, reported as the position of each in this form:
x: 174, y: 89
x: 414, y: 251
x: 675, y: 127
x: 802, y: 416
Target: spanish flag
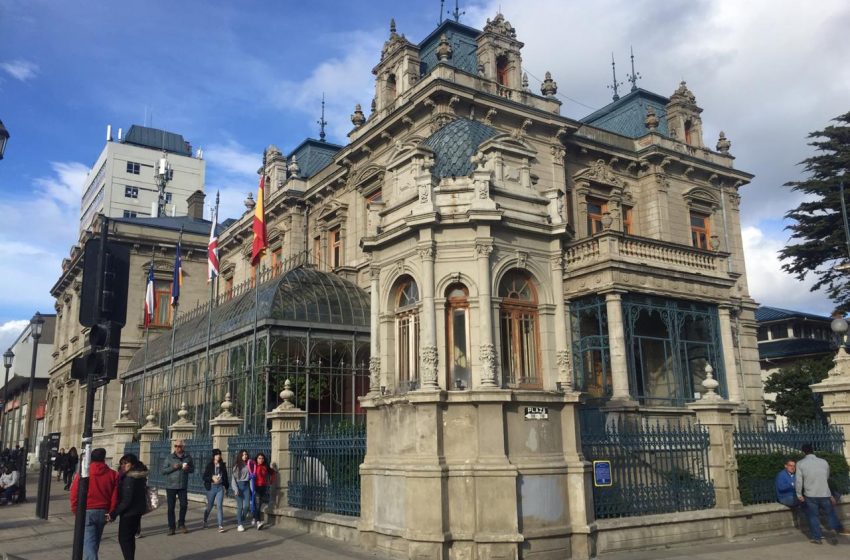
x: 260, y: 243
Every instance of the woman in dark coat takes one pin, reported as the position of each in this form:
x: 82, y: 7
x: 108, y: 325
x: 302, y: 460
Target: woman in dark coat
x: 70, y: 464
x: 132, y: 502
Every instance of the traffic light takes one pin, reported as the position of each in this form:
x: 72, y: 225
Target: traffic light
x: 108, y: 300
x: 100, y: 358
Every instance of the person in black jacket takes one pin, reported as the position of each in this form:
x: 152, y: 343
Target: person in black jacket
x: 215, y: 481
x: 70, y: 465
x: 132, y: 502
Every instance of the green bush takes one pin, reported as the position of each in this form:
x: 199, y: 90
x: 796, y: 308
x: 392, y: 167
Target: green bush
x: 756, y: 473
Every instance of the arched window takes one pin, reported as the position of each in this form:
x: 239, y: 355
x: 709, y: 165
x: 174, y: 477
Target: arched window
x: 519, y: 331
x: 407, y: 331
x: 392, y: 88
x: 688, y: 132
x: 457, y: 337
x: 502, y: 70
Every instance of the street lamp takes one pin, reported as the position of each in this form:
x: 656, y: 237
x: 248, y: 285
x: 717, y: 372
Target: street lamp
x: 4, y: 137
x: 36, y: 324
x: 839, y: 328
x: 8, y: 356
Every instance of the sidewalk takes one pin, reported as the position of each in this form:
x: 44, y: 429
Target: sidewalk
x: 25, y: 536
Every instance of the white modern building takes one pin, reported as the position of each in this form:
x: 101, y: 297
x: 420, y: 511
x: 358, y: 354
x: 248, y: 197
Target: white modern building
x: 123, y: 183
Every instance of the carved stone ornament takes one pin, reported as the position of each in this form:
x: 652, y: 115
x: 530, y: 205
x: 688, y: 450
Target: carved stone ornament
x: 125, y: 414
x: 483, y: 249
x: 491, y: 114
x: 151, y: 419
x: 393, y: 42
x: 683, y: 95
x: 601, y: 172
x: 565, y: 370
x: 294, y: 169
x: 651, y: 121
x: 182, y: 414
x: 374, y: 374
x: 286, y: 396
x: 226, y: 405
x: 723, y: 144
x: 428, y: 364
x: 521, y: 259
x: 427, y: 252
x: 525, y: 82
x: 549, y: 87
x: 500, y: 26
x: 357, y: 117
x: 487, y: 355
x: 424, y: 193
x: 710, y: 385
x: 249, y: 202
x: 444, y: 48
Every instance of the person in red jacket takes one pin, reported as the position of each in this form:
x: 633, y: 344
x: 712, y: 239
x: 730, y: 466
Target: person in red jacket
x: 101, y: 498
x: 264, y: 478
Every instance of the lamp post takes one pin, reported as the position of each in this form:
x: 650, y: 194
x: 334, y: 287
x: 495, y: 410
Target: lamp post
x: 4, y: 137
x: 8, y: 356
x: 36, y: 324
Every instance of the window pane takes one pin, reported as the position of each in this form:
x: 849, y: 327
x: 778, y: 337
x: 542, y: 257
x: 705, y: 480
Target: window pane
x: 459, y: 349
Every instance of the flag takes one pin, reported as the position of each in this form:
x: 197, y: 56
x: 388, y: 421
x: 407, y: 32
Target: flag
x: 177, y: 281
x: 212, y: 248
x: 260, y: 243
x: 150, y: 303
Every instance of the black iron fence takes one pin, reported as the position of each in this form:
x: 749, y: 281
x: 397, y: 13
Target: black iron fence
x: 253, y: 444
x: 200, y: 449
x: 160, y: 449
x: 325, y: 473
x: 131, y: 447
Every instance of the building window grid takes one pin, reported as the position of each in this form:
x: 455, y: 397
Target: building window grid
x: 131, y: 192
x: 700, y: 230
x: 162, y: 305
x: 591, y: 353
x: 595, y: 210
x: 133, y: 167
x: 457, y: 336
x: 130, y: 214
x: 407, y: 332
x: 336, y: 247
x: 519, y: 331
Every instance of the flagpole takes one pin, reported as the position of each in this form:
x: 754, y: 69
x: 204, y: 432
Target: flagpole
x: 174, y: 306
x: 212, y: 278
x: 147, y: 340
x: 257, y: 277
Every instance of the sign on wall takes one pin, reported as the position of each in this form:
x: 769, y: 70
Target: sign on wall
x: 602, y: 473
x: 536, y: 413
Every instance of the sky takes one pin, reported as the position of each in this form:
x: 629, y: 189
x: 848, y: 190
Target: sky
x: 234, y: 77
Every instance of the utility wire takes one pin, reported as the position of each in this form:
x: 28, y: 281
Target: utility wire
x: 561, y: 95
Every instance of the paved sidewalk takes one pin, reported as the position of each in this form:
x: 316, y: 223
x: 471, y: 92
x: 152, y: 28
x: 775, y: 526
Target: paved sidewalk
x: 24, y: 535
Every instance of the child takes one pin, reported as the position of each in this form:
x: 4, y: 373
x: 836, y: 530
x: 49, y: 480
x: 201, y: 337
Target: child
x: 264, y: 477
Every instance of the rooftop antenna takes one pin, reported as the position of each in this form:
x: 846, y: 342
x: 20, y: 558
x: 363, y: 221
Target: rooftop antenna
x: 442, y: 7
x: 634, y: 76
x: 457, y: 13
x: 322, y: 122
x: 616, y: 85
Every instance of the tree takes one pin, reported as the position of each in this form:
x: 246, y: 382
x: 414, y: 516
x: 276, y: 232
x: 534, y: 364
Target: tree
x: 818, y: 224
x: 794, y: 399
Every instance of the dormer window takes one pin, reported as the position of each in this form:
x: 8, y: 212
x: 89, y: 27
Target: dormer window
x: 502, y: 70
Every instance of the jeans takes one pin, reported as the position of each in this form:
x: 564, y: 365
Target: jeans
x: 813, y: 507
x: 171, y: 496
x: 95, y: 522
x: 128, y: 526
x: 215, y: 495
x: 261, y: 496
x: 243, y: 501
x: 7, y: 492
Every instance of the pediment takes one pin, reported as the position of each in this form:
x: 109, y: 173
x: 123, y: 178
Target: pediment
x: 600, y: 172
x: 508, y: 144
x: 700, y: 196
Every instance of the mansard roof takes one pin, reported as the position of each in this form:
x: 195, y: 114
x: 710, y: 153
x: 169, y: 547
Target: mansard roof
x: 463, y: 40
x: 314, y: 155
x: 766, y: 313
x: 627, y: 115
x: 455, y: 144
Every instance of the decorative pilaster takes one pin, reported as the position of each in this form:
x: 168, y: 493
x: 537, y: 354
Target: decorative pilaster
x: 148, y: 433
x: 124, y: 429
x: 428, y: 349
x: 728, y: 346
x: 182, y: 428
x: 225, y: 425
x: 285, y: 419
x: 836, y: 394
x: 374, y: 332
x: 486, y: 348
x: 617, y: 347
x: 565, y: 378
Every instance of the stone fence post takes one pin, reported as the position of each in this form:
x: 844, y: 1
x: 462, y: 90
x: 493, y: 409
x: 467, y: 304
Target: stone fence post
x: 715, y: 413
x: 148, y: 434
x: 224, y: 426
x: 124, y: 429
x: 286, y: 418
x: 836, y: 395
x: 182, y: 428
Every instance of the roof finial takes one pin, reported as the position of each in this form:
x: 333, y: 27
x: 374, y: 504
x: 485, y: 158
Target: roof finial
x: 442, y: 7
x: 616, y: 85
x: 322, y: 122
x: 457, y: 13
x: 392, y: 27
x: 634, y: 76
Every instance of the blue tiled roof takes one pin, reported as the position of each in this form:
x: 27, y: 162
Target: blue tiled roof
x: 158, y: 140
x: 464, y: 46
x: 791, y: 347
x: 314, y: 155
x: 455, y: 144
x: 766, y: 313
x: 627, y: 115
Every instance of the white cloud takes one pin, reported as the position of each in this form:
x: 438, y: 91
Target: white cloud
x: 233, y: 158
x: 66, y: 185
x: 9, y: 332
x: 22, y: 70
x: 769, y: 284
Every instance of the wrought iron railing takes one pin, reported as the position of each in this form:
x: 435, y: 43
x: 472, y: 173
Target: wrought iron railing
x: 200, y: 448
x: 131, y: 447
x: 160, y: 449
x: 325, y: 472
x: 655, y: 469
x: 252, y: 443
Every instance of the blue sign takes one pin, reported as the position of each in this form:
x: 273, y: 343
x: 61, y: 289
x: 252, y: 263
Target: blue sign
x: 602, y: 473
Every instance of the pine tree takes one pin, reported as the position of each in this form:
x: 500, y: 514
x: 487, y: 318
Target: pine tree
x: 818, y: 229
x: 794, y: 398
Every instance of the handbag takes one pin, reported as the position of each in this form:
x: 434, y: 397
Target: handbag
x: 151, y: 499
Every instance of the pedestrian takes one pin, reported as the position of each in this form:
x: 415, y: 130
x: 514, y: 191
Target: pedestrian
x: 786, y: 494
x: 71, y: 461
x: 9, y: 483
x: 176, y: 468
x: 215, y: 481
x: 101, y: 498
x: 812, y: 487
x: 240, y: 483
x: 59, y: 464
x: 132, y: 502
x: 264, y: 477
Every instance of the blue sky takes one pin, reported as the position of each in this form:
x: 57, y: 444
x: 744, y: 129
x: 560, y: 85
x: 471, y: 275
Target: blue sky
x: 234, y: 77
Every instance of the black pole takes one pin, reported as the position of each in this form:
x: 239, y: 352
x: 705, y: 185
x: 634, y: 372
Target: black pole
x: 5, y: 396
x: 83, y: 484
x: 30, y: 412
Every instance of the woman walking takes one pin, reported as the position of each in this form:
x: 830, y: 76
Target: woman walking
x: 59, y: 464
x: 240, y: 483
x: 215, y: 481
x: 264, y: 477
x: 70, y: 467
x: 132, y: 501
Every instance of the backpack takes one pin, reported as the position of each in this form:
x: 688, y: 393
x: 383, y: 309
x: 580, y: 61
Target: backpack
x: 151, y: 499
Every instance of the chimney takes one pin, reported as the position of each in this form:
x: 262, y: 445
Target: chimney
x: 196, y: 205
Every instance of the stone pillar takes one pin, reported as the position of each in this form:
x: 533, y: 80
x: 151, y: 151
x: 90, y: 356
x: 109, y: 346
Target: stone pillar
x: 486, y: 348
x: 375, y: 381
x: 225, y: 425
x: 562, y: 343
x: 715, y: 413
x: 428, y: 335
x: 286, y: 418
x: 579, y: 481
x: 123, y: 431
x: 732, y: 384
x: 617, y: 346
x: 836, y: 394
x: 182, y: 428
x: 148, y: 434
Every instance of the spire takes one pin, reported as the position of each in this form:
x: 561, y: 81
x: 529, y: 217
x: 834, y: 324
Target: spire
x: 634, y: 76
x: 442, y: 7
x: 616, y: 85
x: 392, y: 27
x: 322, y: 122
x: 457, y: 13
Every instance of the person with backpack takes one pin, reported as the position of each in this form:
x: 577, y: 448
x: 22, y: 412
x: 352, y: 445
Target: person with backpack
x: 215, y: 481
x: 264, y: 476
x: 132, y: 502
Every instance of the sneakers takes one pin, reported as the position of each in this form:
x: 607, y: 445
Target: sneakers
x: 259, y: 525
x: 221, y: 529
x: 253, y: 523
x: 815, y: 541
x: 205, y: 523
x: 184, y: 530
x: 240, y: 528
x: 845, y: 532
x: 170, y: 532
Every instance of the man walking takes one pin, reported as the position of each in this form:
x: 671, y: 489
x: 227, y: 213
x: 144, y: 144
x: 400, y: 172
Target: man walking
x: 176, y: 469
x: 102, y: 498
x: 812, y: 486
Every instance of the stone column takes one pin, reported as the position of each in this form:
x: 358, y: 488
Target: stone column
x: 715, y: 413
x: 562, y: 344
x: 486, y: 348
x: 579, y: 480
x: 182, y: 428
x: 148, y: 434
x: 374, y: 332
x: 617, y: 346
x: 225, y: 425
x: 286, y: 418
x: 123, y: 431
x: 428, y: 335
x: 728, y: 347
x: 836, y: 394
